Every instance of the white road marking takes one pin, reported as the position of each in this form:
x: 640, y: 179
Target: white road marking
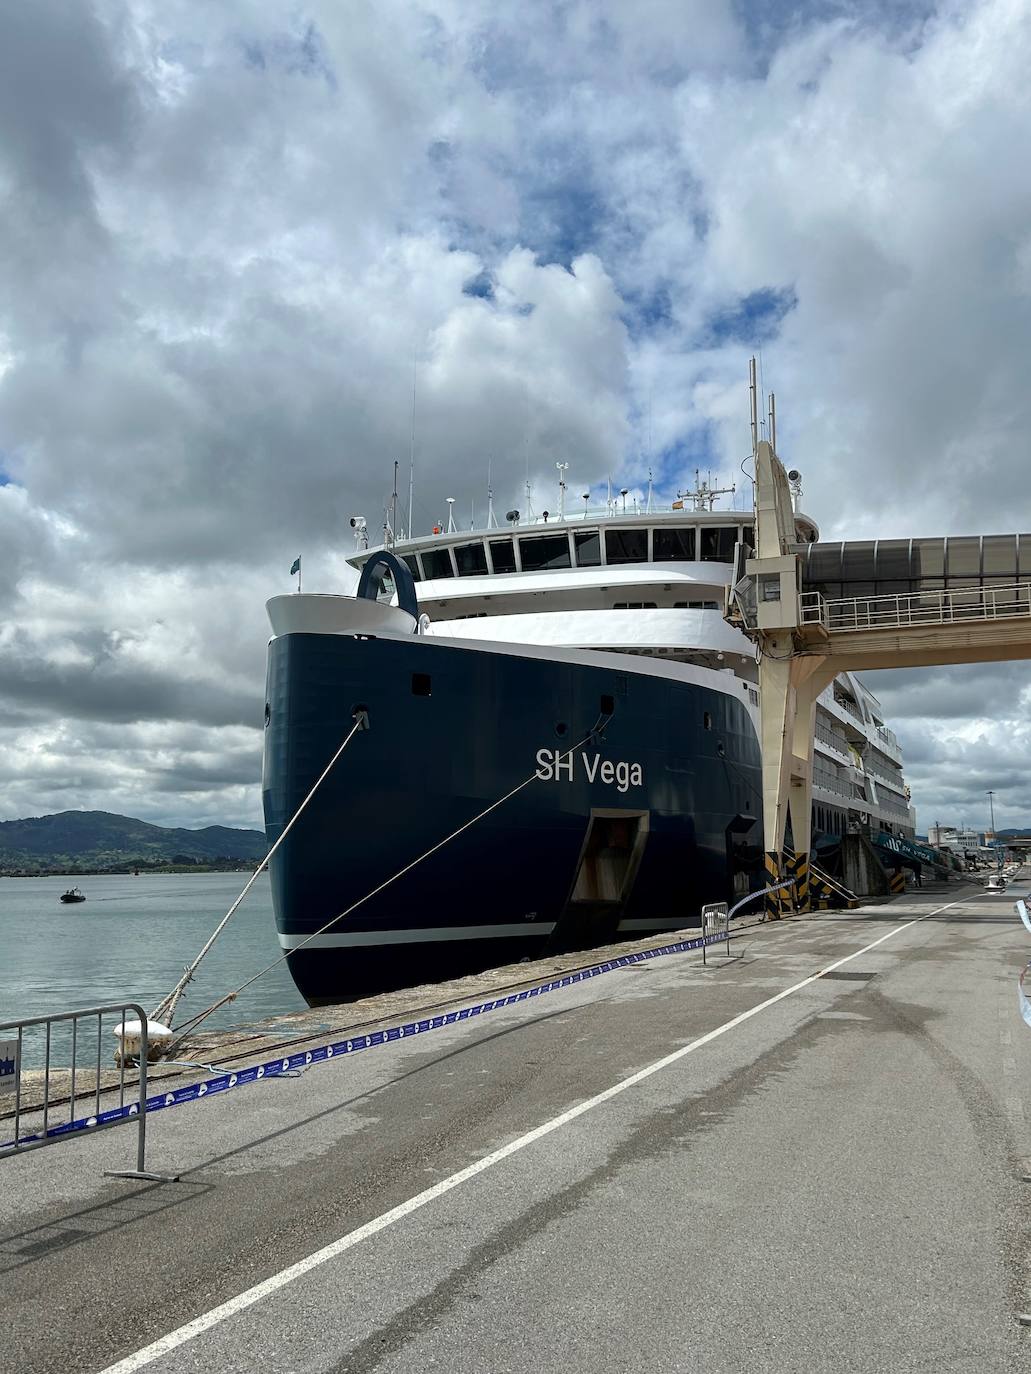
x: 166, y: 1344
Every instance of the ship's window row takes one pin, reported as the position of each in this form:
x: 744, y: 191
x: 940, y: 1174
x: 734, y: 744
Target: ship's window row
x: 573, y: 548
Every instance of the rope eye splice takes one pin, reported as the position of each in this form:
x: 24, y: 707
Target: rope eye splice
x: 360, y: 716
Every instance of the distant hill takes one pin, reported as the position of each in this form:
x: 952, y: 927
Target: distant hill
x: 95, y: 841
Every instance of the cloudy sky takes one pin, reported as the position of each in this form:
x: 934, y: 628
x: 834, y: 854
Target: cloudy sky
x: 229, y: 233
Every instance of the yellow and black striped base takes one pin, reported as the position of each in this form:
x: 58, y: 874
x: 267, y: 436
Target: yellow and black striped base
x: 773, y: 902
x: 800, y: 873
x: 897, y: 881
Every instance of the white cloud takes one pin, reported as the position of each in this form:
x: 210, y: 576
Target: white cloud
x: 230, y: 230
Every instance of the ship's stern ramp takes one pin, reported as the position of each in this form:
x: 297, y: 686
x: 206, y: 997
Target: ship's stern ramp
x: 817, y: 610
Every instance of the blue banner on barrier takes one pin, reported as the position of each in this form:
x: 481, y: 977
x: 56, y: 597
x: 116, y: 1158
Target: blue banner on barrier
x: 274, y: 1068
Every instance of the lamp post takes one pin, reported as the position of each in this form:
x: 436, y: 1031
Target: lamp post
x: 991, y: 809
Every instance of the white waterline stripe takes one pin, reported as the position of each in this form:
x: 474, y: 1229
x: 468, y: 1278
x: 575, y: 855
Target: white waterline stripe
x: 353, y: 938
x: 166, y: 1344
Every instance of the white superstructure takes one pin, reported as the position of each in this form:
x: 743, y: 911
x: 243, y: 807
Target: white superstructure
x: 651, y: 583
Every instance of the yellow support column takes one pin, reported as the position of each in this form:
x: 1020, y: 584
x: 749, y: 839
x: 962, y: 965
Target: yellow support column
x: 800, y: 793
x: 776, y: 725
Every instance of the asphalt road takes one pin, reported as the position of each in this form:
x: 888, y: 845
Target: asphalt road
x: 830, y: 1183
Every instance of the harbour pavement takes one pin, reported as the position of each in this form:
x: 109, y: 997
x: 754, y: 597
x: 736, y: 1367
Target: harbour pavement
x: 805, y: 1157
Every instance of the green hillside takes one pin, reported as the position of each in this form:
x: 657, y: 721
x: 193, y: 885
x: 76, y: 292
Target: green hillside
x: 95, y: 841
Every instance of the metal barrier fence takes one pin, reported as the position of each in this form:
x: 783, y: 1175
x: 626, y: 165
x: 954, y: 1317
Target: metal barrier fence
x: 715, y: 925
x: 41, y: 1129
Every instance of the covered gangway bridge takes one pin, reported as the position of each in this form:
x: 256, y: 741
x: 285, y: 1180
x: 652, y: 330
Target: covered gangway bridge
x: 869, y: 584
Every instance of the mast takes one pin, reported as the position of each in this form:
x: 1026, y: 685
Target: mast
x: 492, y: 519
x: 753, y: 402
x: 411, y: 460
x: 562, y: 468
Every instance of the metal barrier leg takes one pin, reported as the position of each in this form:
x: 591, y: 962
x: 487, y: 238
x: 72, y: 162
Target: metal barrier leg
x: 141, y: 1171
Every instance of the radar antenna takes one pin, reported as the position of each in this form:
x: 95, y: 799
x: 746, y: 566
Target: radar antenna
x: 704, y: 496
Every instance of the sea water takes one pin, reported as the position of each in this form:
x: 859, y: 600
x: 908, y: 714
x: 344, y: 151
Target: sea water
x: 131, y: 939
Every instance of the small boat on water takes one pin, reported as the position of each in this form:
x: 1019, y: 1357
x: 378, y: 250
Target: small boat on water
x: 73, y: 895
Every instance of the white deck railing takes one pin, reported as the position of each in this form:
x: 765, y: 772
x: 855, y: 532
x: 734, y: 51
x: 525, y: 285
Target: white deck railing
x: 916, y: 608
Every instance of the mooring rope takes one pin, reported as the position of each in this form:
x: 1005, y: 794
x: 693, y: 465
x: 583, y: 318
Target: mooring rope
x: 166, y: 1009
x: 183, y: 1030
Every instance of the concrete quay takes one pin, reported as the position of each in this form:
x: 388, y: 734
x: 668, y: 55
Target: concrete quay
x: 807, y: 1157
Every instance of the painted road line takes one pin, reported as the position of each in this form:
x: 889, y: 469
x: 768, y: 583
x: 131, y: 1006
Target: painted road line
x: 166, y: 1344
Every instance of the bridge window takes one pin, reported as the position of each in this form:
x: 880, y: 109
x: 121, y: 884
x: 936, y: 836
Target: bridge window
x: 634, y: 606
x: 673, y: 546
x: 470, y: 559
x: 999, y: 556
x: 893, y: 567
x: 413, y: 566
x: 963, y: 562
x: 718, y: 544
x: 696, y: 605
x: 588, y: 548
x: 437, y: 563
x: 626, y: 546
x: 928, y: 563
x: 544, y: 551
x: 502, y: 555
x: 857, y: 567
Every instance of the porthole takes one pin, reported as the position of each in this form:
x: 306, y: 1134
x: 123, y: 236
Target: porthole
x: 561, y: 728
x: 707, y: 720
x: 421, y: 685
x: 608, y: 705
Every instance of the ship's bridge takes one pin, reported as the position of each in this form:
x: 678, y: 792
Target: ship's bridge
x: 593, y: 539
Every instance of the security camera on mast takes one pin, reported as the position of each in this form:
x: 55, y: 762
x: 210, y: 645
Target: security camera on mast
x: 563, y: 468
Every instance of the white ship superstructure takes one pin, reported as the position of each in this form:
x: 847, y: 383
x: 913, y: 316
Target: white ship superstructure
x: 651, y: 583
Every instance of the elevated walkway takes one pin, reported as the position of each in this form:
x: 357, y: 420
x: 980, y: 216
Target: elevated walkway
x: 817, y: 610
x: 962, y: 625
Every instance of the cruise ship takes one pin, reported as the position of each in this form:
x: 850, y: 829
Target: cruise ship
x: 577, y: 665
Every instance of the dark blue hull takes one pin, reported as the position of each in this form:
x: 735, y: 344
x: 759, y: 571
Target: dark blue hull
x: 658, y: 813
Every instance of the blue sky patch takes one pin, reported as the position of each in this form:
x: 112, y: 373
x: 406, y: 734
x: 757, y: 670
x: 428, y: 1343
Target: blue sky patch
x: 752, y: 319
x: 302, y: 54
x: 564, y: 220
x: 482, y: 285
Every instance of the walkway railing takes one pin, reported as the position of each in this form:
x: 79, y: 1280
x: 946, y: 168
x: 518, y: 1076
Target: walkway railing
x: 916, y: 608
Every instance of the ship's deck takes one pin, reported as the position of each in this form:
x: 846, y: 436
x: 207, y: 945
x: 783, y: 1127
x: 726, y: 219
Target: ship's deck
x: 823, y: 1174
